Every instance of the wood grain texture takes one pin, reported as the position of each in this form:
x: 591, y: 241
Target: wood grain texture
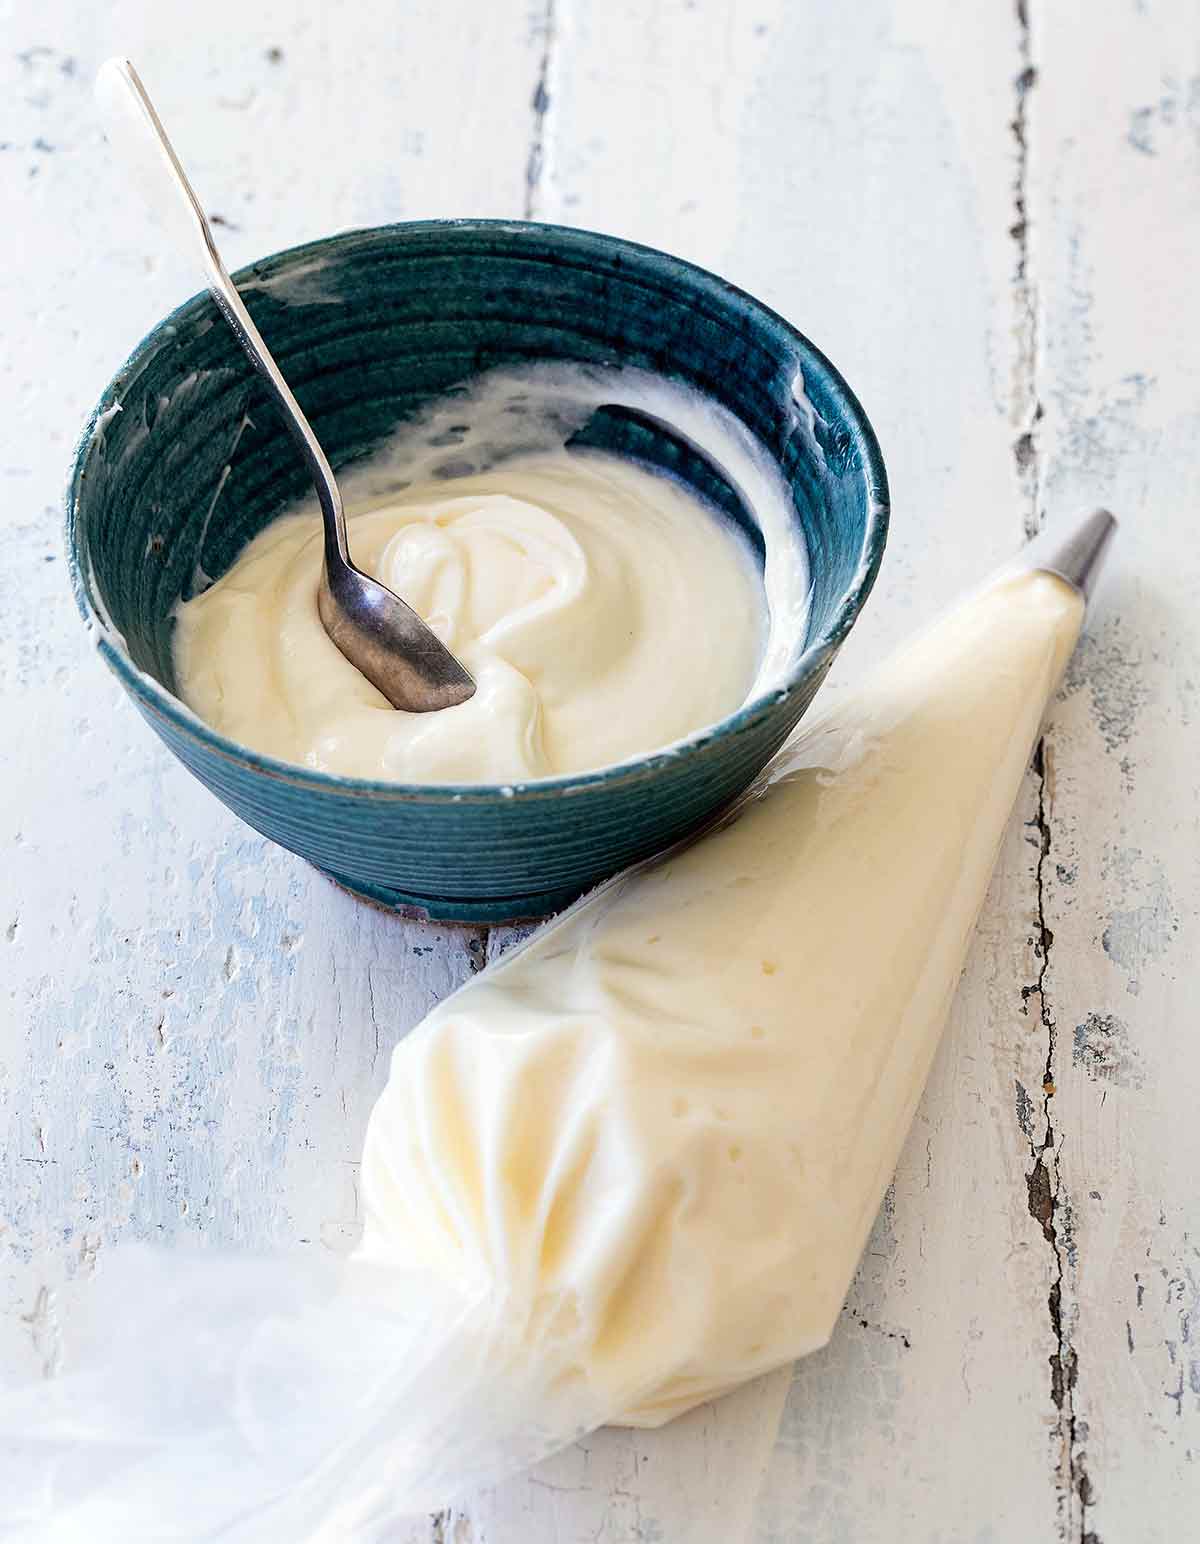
x: 1115, y: 223
x: 988, y: 218
x: 844, y: 173
x: 195, y: 1024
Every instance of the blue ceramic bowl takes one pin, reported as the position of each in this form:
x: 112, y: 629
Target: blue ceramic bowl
x: 368, y: 327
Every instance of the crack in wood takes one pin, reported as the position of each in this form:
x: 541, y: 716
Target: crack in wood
x: 1027, y: 407
x: 878, y: 1329
x: 450, y: 1526
x: 535, y: 166
x: 1051, y: 1209
x: 1048, y: 1206
x: 478, y: 950
x: 45, y: 1331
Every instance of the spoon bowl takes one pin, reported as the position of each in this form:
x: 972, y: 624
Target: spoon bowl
x: 388, y: 641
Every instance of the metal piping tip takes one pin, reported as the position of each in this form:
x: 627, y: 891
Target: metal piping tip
x: 1076, y: 554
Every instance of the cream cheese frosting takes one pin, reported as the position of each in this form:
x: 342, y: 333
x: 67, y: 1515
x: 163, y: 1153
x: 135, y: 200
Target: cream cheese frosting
x: 604, y: 609
x: 655, y: 1138
x: 601, y: 608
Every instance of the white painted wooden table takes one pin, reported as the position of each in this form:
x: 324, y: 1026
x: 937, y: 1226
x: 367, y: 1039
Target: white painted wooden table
x: 990, y: 218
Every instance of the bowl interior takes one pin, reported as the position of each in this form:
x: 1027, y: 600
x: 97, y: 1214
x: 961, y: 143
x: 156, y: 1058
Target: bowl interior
x: 186, y: 460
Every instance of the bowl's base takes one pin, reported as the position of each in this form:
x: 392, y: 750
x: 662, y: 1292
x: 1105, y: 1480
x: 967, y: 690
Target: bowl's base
x: 433, y: 908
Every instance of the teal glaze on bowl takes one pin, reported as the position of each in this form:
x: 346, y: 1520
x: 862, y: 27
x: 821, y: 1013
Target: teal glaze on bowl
x: 184, y: 461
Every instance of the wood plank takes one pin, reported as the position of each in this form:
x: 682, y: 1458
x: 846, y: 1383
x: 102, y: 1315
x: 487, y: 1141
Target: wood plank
x: 1115, y: 229
x: 193, y: 1024
x: 856, y: 170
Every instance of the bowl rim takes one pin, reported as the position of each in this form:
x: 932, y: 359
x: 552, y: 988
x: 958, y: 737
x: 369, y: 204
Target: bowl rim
x: 152, y: 695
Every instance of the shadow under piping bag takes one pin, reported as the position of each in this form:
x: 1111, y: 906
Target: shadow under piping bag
x: 624, y: 1170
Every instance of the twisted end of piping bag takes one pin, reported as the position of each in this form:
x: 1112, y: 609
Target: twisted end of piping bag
x: 1074, y: 553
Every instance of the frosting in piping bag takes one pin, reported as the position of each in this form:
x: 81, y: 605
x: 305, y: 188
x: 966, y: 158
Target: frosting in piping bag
x: 662, y: 1130
x: 630, y: 1166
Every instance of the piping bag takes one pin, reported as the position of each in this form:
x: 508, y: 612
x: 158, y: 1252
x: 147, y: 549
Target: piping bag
x: 629, y: 1167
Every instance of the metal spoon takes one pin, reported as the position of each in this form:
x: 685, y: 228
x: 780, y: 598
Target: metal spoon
x: 374, y: 629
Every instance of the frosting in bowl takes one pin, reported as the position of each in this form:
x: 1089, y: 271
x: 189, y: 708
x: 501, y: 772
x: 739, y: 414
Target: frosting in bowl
x: 601, y: 609
x: 605, y: 609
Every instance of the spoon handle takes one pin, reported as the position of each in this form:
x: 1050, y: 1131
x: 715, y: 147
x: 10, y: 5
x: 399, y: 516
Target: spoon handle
x: 135, y: 125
